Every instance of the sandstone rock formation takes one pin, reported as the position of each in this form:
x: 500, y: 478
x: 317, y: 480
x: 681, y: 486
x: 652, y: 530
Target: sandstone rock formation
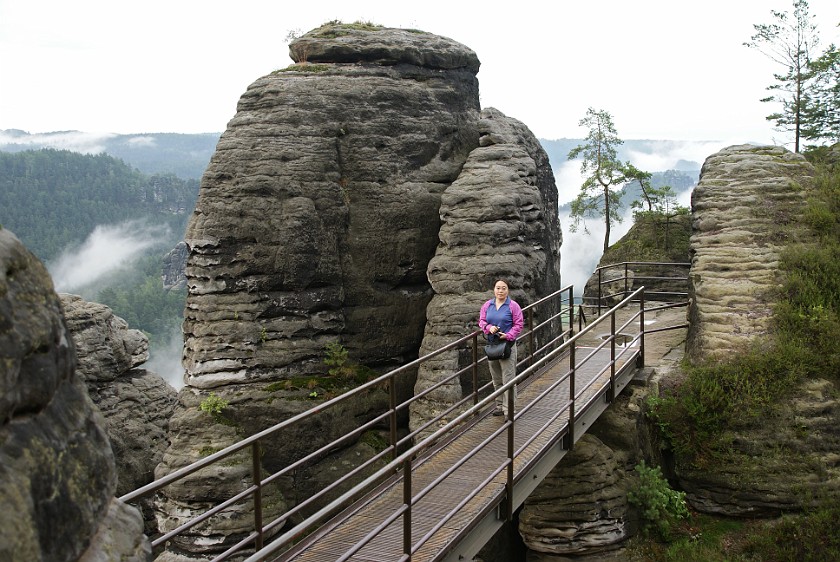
x: 499, y: 219
x: 580, y: 508
x: 173, y: 272
x: 318, y: 212
x: 57, y: 472
x: 747, y: 207
x: 135, y: 403
x: 316, y: 220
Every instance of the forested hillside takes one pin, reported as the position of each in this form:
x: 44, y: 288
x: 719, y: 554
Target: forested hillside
x: 185, y: 155
x: 59, y: 202
x: 52, y: 199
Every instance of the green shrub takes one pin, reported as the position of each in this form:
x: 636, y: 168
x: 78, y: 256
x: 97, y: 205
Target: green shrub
x: 338, y: 362
x: 811, y: 537
x: 213, y: 405
x: 660, y: 506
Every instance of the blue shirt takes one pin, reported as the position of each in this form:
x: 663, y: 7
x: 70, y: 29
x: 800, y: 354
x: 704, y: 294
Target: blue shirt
x: 507, y: 317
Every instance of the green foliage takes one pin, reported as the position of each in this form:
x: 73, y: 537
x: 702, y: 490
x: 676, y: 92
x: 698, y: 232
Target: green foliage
x: 701, y: 538
x: 660, y: 506
x: 811, y: 537
x: 789, y: 41
x: 338, y: 362
x: 141, y: 301
x: 654, y: 237
x: 207, y: 450
x: 602, y: 170
x: 213, y: 405
x: 337, y: 28
x: 821, y: 114
x: 305, y: 67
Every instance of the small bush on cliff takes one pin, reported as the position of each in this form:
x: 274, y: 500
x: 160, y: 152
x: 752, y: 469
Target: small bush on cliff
x: 809, y: 537
x: 340, y: 366
x: 661, y: 506
x: 213, y: 405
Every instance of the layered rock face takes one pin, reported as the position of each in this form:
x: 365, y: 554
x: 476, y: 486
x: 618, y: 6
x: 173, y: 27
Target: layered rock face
x: 499, y: 219
x: 135, y: 403
x: 57, y: 472
x: 315, y: 223
x: 318, y: 213
x: 747, y: 207
x: 173, y: 272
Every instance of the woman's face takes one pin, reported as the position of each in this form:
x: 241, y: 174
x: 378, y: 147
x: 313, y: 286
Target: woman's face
x: 500, y: 290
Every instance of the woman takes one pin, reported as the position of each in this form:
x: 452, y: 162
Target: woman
x: 501, y: 317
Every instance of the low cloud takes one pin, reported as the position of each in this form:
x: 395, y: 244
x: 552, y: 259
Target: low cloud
x: 580, y: 252
x: 74, y: 141
x: 107, y: 249
x: 166, y: 360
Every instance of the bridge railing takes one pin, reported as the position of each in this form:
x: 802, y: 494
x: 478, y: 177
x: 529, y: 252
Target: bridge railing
x: 402, y: 465
x: 545, y: 332
x: 663, y: 281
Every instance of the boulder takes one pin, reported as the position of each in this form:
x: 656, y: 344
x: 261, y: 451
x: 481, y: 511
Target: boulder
x: 580, y: 508
x: 57, y: 470
x: 136, y: 403
x: 748, y: 207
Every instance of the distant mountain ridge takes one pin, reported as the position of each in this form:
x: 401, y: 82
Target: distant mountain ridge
x: 184, y: 155
x: 187, y: 155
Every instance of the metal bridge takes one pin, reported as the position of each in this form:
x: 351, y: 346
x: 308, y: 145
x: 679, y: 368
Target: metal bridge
x: 442, y: 491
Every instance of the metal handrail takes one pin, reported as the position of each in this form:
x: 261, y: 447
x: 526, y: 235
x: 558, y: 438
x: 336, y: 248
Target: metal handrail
x: 559, y: 342
x: 599, y: 271
x: 388, y: 379
x: 403, y: 462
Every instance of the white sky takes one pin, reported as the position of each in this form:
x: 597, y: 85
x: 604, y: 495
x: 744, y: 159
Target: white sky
x: 664, y: 69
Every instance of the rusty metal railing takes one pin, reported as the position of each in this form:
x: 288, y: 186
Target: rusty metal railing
x: 555, y: 331
x: 626, y: 283
x: 402, y: 466
x: 549, y: 336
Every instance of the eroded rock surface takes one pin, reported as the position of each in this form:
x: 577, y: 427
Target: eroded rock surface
x: 316, y: 219
x: 318, y: 213
x: 746, y: 208
x: 499, y: 219
x: 57, y: 472
x: 135, y: 403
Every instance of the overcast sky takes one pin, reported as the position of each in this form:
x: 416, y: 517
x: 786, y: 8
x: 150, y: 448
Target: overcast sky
x: 664, y: 69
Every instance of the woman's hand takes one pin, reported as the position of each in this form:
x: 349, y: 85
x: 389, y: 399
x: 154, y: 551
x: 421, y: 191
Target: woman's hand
x: 493, y: 329
x: 502, y: 335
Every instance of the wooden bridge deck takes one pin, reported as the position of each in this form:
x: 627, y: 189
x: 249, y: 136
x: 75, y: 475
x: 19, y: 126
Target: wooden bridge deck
x: 474, y: 522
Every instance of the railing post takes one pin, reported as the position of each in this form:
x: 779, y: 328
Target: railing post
x: 600, y: 281
x: 640, y: 362
x: 475, y: 368
x: 626, y: 271
x: 257, y: 477
x: 407, y: 502
x: 571, y: 312
x: 392, y: 393
x: 531, y: 344
x: 571, y: 434
x: 510, y: 451
x: 611, y: 393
